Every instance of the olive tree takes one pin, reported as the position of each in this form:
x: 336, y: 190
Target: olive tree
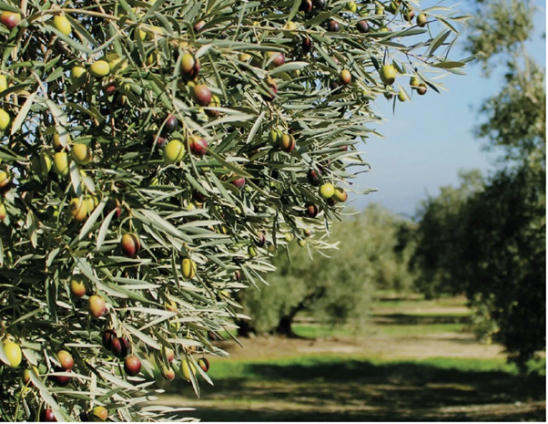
x: 333, y: 287
x: 489, y: 242
x: 152, y: 152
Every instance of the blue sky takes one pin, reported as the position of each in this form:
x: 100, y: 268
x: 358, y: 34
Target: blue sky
x: 430, y: 138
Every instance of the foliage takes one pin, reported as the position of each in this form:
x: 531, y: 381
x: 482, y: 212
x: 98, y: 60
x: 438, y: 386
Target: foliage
x: 387, y: 257
x: 337, y: 289
x: 333, y: 290
x: 516, y: 115
x: 491, y: 245
x: 503, y: 242
x: 489, y: 242
x: 165, y: 119
x: 440, y: 218
x: 499, y: 27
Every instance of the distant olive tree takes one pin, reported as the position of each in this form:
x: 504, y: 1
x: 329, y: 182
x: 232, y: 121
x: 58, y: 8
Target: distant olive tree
x: 440, y: 217
x: 335, y: 289
x: 490, y: 245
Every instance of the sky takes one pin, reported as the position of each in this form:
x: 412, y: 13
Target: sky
x: 430, y: 138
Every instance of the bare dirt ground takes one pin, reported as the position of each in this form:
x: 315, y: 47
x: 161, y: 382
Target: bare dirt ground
x: 448, y: 345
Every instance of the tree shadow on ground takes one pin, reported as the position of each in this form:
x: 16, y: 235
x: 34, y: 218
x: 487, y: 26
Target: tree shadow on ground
x: 211, y: 414
x: 362, y: 391
x: 382, y: 299
x: 417, y: 319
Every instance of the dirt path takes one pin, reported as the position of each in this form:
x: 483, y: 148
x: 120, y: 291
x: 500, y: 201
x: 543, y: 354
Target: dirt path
x: 449, y: 345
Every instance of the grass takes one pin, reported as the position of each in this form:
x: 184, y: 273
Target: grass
x: 329, y: 366
x: 393, y: 300
x: 323, y: 331
x: 419, y: 303
x: 423, y: 315
x: 392, y: 294
x: 403, y: 330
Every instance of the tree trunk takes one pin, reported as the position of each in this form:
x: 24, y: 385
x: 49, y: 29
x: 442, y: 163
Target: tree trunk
x: 284, y: 327
x: 245, y: 329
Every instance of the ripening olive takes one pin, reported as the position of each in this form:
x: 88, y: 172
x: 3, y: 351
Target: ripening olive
x: 62, y: 24
x: 422, y: 20
x: 100, y: 69
x: 61, y: 163
x: 81, y: 154
x: 13, y: 353
x: 131, y: 244
x: 327, y: 190
x: 188, y: 368
x: 78, y: 209
x: 388, y: 74
x: 97, y: 306
x: 173, y: 152
x: 4, y: 120
x: 10, y: 19
x: 188, y: 268
x: 78, y: 285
